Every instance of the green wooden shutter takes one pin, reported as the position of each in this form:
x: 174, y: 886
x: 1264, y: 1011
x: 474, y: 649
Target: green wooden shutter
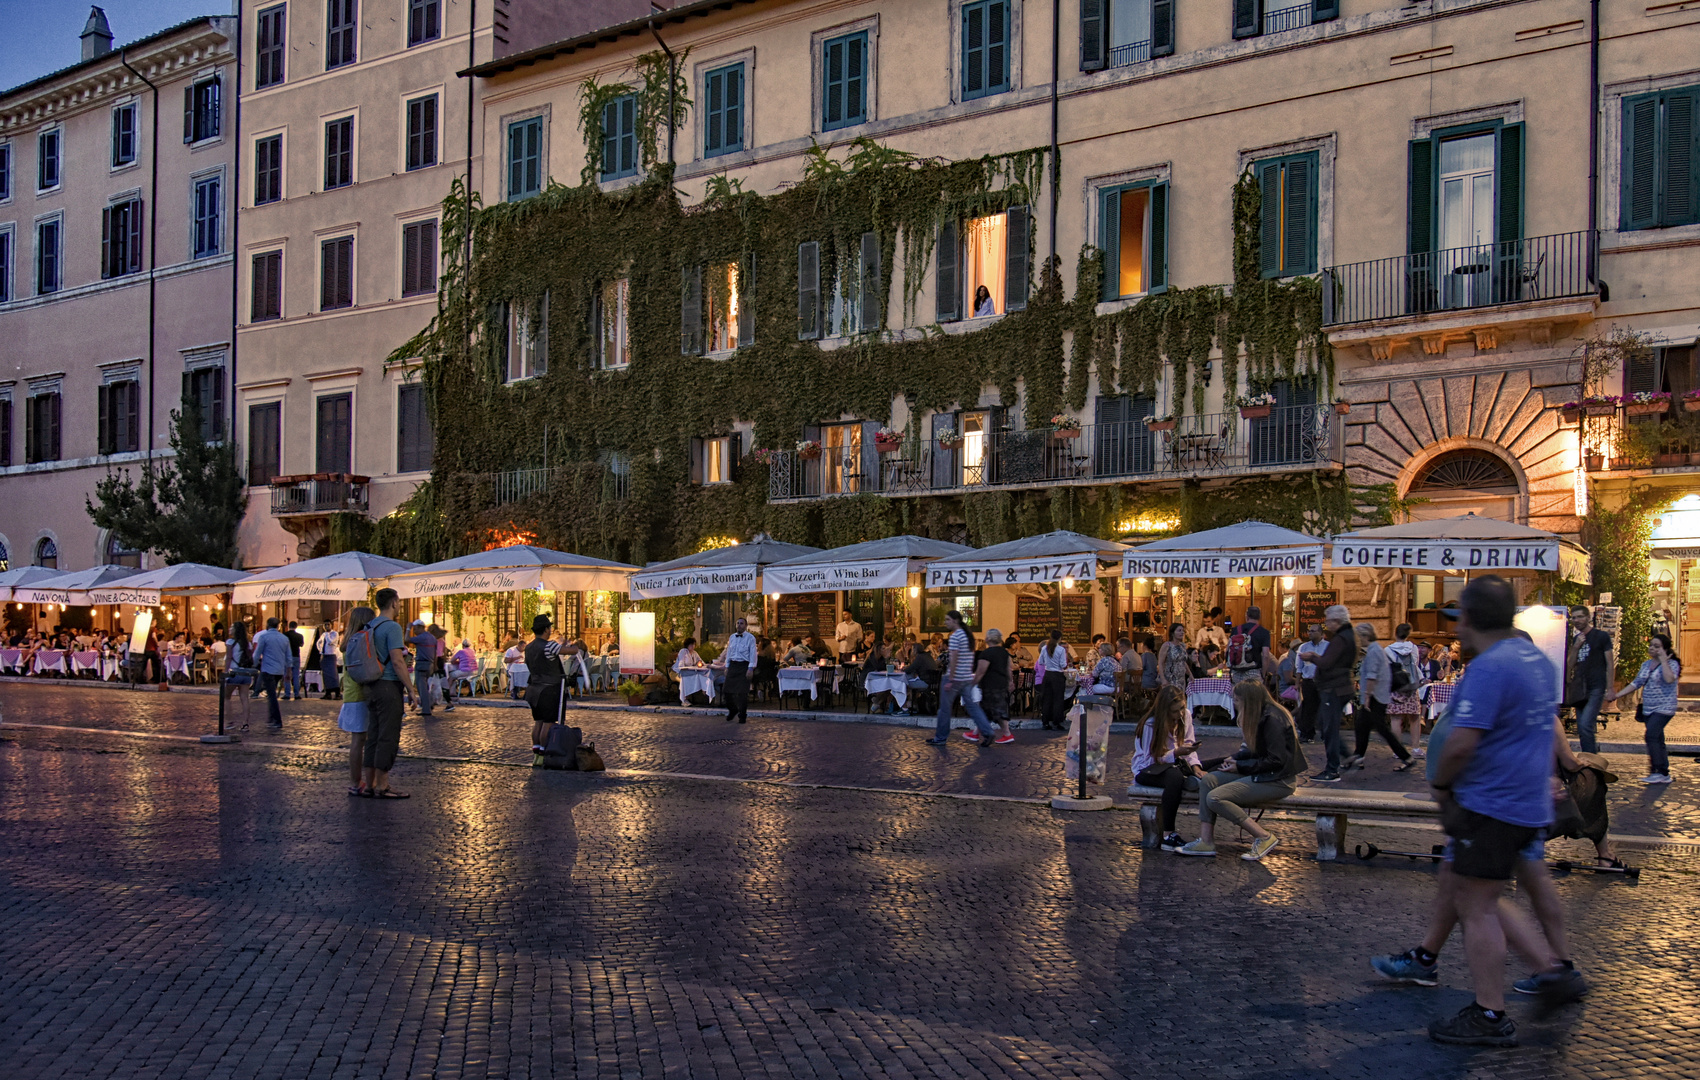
x: 732, y: 120
x: 1419, y: 202
x: 189, y: 113
x: 696, y: 461
x: 1093, y: 38
x: 868, y: 287
x: 1508, y: 217
x: 690, y: 311
x: 105, y: 440
x: 1680, y: 148
x: 974, y: 50
x: 611, y: 139
x: 1019, y: 239
x: 997, y: 46
x: 1269, y: 219
x: 106, y: 239
x: 808, y: 291
x: 1162, y: 28
x: 855, y: 79
x: 1110, y: 241
x: 1159, y: 277
x: 1299, y: 224
x: 133, y: 237
x: 1321, y: 10
x: 832, y: 88
x: 715, y: 113
x: 949, y: 300
x: 1248, y: 18
x: 1640, y: 163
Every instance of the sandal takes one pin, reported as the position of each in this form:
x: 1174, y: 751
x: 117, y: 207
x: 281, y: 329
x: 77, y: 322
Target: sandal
x: 358, y: 791
x: 1610, y: 864
x: 387, y: 793
x: 1409, y: 764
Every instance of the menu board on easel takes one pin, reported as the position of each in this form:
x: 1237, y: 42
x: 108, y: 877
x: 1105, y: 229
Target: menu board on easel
x: 1610, y: 619
x: 807, y: 615
x: 1036, y: 617
x: 1314, y: 604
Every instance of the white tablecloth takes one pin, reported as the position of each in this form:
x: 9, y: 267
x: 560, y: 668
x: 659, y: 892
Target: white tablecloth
x: 88, y: 661
x: 10, y: 659
x: 894, y: 683
x: 1218, y: 692
x: 692, y: 680
x: 799, y: 679
x: 48, y: 660
x: 518, y: 676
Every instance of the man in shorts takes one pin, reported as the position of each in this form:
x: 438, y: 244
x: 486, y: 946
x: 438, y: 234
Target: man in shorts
x: 1493, y: 780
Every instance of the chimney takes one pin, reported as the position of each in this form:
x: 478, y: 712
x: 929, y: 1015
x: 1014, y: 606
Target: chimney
x: 97, y: 35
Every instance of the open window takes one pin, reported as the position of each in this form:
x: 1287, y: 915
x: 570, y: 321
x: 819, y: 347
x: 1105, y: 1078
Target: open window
x: 982, y: 265
x: 528, y: 340
x: 1254, y: 18
x: 714, y: 459
x: 729, y: 323
x: 609, y: 309
x: 1133, y: 234
x: 1121, y: 33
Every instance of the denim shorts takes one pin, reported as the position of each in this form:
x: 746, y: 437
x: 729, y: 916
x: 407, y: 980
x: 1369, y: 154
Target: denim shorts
x: 353, y: 716
x: 1534, y: 851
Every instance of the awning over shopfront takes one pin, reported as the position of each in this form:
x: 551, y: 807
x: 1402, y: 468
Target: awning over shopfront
x: 1466, y: 543
x: 735, y: 569
x: 71, y: 587
x: 18, y: 578
x: 511, y: 569
x: 184, y: 579
x: 347, y: 576
x: 1249, y: 549
x: 1032, y: 560
x: 875, y: 564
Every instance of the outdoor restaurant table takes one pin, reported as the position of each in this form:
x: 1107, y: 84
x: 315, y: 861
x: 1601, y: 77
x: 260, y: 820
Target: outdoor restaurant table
x: 693, y: 679
x: 108, y: 668
x: 176, y: 665
x: 10, y: 659
x: 799, y: 679
x: 1217, y: 692
x: 85, y: 660
x: 1439, y: 695
x: 49, y: 660
x: 894, y: 683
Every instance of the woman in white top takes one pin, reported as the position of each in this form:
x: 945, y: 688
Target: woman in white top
x: 983, y: 305
x: 1166, y: 756
x: 687, y: 657
x: 1053, y: 692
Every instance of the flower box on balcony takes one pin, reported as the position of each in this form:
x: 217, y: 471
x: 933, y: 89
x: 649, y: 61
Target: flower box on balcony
x: 1255, y: 412
x: 1160, y: 425
x: 1596, y: 462
x: 1644, y: 408
x: 1665, y: 461
x: 1343, y: 408
x: 1599, y: 408
x: 1571, y: 414
x: 1691, y: 404
x: 809, y: 453
x: 1063, y: 434
x: 887, y: 446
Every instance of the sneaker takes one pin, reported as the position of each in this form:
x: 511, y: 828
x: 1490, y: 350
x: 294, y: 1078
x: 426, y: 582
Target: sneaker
x: 1172, y: 842
x: 1406, y: 968
x: 968, y: 733
x: 1329, y: 777
x: 1353, y: 761
x: 1656, y: 778
x: 1473, y: 1027
x: 1260, y: 847
x: 1004, y: 740
x: 1419, y: 751
x: 1198, y: 848
x: 937, y: 742
x: 1556, y: 988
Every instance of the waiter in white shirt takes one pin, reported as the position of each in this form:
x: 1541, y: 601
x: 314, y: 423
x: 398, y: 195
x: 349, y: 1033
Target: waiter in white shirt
x: 740, y: 655
x: 849, y: 638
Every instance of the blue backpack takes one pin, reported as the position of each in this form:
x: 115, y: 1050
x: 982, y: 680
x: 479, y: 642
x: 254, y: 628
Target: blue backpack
x: 360, y: 656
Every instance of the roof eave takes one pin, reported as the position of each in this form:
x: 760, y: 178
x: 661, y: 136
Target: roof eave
x: 608, y: 35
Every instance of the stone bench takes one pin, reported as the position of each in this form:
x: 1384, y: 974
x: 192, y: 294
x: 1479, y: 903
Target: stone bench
x: 1331, y: 806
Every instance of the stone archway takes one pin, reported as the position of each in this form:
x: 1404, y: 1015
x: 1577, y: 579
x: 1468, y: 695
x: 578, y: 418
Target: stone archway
x: 1458, y: 476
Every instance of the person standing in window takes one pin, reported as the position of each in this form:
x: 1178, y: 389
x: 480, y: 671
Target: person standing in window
x: 983, y: 304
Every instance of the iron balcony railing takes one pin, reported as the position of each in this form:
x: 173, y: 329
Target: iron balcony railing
x: 1456, y: 279
x: 1287, y: 18
x: 517, y: 485
x: 1134, y: 52
x: 1213, y: 444
x: 321, y: 493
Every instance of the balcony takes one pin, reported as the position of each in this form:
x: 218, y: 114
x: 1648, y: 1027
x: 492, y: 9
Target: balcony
x: 1638, y: 440
x: 517, y: 485
x: 320, y: 493
x: 1460, y: 293
x: 1288, y: 18
x: 1134, y: 52
x: 1291, y: 439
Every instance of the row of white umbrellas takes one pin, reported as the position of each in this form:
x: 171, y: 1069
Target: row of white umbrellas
x: 1250, y: 548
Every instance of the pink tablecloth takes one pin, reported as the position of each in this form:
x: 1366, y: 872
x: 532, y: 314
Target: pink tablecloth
x: 10, y: 659
x: 49, y: 660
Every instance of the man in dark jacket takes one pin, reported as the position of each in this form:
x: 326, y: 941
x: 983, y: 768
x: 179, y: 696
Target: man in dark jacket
x: 1334, y: 687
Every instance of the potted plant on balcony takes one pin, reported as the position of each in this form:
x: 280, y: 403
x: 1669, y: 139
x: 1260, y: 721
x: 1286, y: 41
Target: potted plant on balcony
x: 1691, y: 401
x: 1570, y: 412
x: 950, y: 440
x: 1599, y: 406
x: 765, y: 456
x: 1064, y: 426
x: 808, y: 449
x: 887, y: 441
x: 1646, y: 403
x: 1342, y: 407
x: 1595, y: 461
x: 1257, y: 406
x: 1166, y: 422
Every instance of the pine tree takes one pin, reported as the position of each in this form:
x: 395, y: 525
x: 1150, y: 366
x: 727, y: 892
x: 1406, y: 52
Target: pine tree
x: 185, y: 510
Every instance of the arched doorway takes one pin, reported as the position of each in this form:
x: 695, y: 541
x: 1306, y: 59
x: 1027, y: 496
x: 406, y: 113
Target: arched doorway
x: 1466, y: 480
x: 119, y: 555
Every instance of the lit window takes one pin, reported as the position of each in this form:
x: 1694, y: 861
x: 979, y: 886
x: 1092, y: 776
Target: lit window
x: 984, y: 268
x: 841, y: 455
x: 613, y: 346
x: 723, y: 307
x: 717, y: 461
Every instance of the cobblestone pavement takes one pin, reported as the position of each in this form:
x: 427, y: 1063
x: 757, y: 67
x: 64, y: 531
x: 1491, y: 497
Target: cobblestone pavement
x: 173, y: 910
x: 862, y: 755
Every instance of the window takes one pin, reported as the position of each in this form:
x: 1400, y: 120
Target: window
x: 1295, y: 432
x: 983, y: 265
x: 723, y: 122
x: 41, y: 428
x: 1119, y: 33
x: 1122, y: 444
x: 204, y: 388
x: 267, y: 287
x: 715, y: 460
x: 1465, y: 216
x: 1287, y: 240
x: 1132, y: 228
x: 269, y: 44
x: 939, y: 601
x: 124, y: 135
x: 5, y: 171
x: 47, y: 256
x: 200, y: 110
x: 268, y: 170
x: 265, y: 442
x: 619, y: 138
x: 419, y: 258
x: 808, y: 291
x: 414, y: 438
x: 858, y: 301
x: 424, y: 21
x: 528, y: 340
x: 1253, y: 18
x: 336, y: 273
x: 339, y: 33
x: 119, y: 555
x: 844, y: 81
x: 121, y: 239
x: 730, y: 322
x: 841, y: 459
x: 1670, y: 369
x: 47, y: 554
x: 5, y: 265
x: 339, y: 153
x: 209, y: 236
x: 525, y: 158
x: 1661, y: 160
x: 608, y: 313
x: 1466, y: 470
x: 985, y: 48
x: 335, y: 434
x: 422, y: 132
x: 47, y: 160
x: 120, y: 408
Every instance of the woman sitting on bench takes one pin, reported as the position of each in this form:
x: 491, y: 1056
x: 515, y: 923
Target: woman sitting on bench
x: 1166, y: 756
x: 1265, y: 770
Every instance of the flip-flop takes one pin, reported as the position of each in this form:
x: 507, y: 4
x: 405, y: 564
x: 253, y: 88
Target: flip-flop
x: 388, y: 794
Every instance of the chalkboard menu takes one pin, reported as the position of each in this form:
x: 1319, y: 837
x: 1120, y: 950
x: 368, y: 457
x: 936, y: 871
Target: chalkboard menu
x: 1312, y: 604
x: 1036, y: 617
x: 806, y: 615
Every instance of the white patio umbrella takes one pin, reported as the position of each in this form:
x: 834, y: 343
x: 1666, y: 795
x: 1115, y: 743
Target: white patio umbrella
x: 719, y: 570
x: 874, y: 564
x: 20, y: 576
x: 183, y: 579
x: 1054, y: 556
x: 510, y: 569
x: 347, y: 576
x: 1464, y: 543
x: 1248, y: 549
x: 70, y: 587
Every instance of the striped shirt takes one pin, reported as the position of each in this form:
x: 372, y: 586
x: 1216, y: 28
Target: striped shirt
x: 1658, y: 698
x: 961, y: 657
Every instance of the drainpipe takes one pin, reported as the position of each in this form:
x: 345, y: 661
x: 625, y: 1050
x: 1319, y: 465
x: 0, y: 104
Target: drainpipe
x: 1594, y: 143
x: 235, y: 224
x: 153, y: 245
x: 466, y: 240
x: 672, y: 76
x: 1056, y: 170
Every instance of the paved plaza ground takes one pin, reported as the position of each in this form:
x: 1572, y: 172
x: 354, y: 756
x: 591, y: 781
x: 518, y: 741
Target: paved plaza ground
x: 174, y: 910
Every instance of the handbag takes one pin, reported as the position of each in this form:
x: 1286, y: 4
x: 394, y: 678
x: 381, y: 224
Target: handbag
x: 1567, y: 818
x: 589, y: 760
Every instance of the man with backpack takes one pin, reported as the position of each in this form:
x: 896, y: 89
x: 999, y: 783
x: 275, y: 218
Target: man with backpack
x: 374, y: 657
x: 1247, y: 648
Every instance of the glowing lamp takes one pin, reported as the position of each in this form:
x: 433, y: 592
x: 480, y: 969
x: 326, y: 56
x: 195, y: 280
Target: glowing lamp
x: 1287, y: 582
x: 1068, y: 583
x: 914, y: 591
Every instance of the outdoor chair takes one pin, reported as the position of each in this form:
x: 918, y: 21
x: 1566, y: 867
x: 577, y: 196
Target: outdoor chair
x: 470, y: 679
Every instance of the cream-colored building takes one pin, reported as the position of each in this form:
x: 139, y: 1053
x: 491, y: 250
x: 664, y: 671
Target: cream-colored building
x: 116, y: 226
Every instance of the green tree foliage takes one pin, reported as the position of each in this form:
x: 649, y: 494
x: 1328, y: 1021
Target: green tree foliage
x: 186, y: 509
